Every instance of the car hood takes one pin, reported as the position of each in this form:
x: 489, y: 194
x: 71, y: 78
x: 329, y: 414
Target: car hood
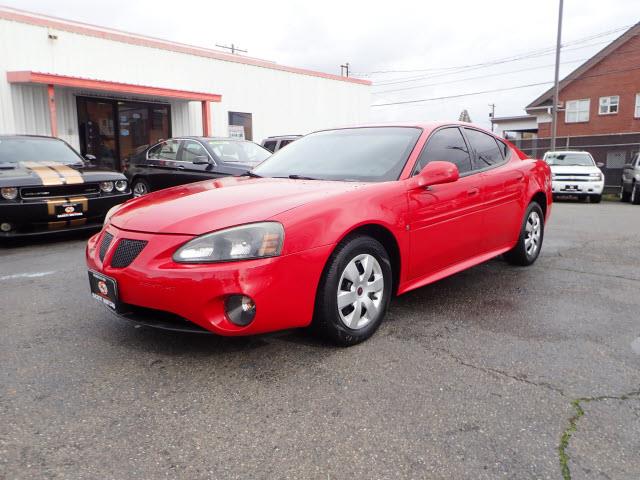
x: 29, y: 174
x: 202, y: 207
x: 574, y: 169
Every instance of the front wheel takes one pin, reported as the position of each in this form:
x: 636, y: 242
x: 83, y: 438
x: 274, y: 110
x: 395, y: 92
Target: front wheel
x: 530, y: 239
x: 354, y: 291
x: 635, y: 194
x: 140, y: 187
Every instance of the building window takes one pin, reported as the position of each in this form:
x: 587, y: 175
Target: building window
x: 609, y: 105
x: 637, y: 111
x: 241, y: 125
x: 577, y: 111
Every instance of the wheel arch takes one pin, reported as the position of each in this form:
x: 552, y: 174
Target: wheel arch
x: 541, y: 199
x: 388, y: 240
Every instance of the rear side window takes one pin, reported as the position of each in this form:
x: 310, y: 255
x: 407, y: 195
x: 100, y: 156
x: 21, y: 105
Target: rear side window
x: 485, y: 148
x: 446, y: 145
x: 165, y: 151
x: 284, y: 143
x: 270, y: 145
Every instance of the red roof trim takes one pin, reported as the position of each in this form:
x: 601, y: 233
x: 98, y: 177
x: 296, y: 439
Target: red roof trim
x: 91, y: 84
x: 140, y: 40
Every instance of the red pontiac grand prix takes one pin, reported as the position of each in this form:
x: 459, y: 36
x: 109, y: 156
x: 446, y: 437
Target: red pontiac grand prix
x: 323, y: 233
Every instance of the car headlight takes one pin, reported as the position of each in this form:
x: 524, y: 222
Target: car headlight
x: 106, y: 187
x: 595, y: 176
x: 110, y: 212
x: 121, y: 185
x: 255, y: 240
x: 9, y: 193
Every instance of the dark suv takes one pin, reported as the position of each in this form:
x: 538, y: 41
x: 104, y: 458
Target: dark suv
x: 190, y: 159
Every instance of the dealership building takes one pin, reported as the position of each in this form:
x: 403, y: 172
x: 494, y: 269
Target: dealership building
x: 110, y: 93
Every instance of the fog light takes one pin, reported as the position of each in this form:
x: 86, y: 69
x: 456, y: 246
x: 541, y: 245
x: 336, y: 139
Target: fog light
x: 240, y: 309
x: 5, y: 227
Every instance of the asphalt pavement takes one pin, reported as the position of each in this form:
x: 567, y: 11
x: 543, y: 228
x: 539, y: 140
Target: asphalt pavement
x: 497, y: 372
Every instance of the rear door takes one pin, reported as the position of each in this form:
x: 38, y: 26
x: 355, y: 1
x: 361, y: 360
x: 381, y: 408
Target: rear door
x: 445, y: 221
x: 628, y: 171
x: 503, y: 183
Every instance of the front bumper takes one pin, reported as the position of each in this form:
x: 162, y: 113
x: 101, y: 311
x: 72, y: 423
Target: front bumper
x: 152, y: 286
x: 29, y: 218
x: 570, y: 187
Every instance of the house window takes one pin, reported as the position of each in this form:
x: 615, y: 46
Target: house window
x: 637, y: 111
x: 577, y: 111
x: 609, y: 105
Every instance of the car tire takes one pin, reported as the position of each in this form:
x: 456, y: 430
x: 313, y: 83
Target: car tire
x: 595, y: 198
x: 364, y: 301
x: 530, y: 238
x: 140, y: 187
x: 635, y: 194
x: 624, y: 195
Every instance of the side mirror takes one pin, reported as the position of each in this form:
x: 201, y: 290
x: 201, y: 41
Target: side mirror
x: 202, y: 160
x: 599, y: 164
x: 90, y: 157
x: 436, y: 173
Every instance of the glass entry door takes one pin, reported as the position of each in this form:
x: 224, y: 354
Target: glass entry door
x: 114, y: 130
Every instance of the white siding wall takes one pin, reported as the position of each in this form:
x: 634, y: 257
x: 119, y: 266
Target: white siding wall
x: 280, y: 102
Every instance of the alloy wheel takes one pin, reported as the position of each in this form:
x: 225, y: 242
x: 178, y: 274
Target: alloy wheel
x: 360, y: 292
x: 139, y: 189
x: 533, y: 230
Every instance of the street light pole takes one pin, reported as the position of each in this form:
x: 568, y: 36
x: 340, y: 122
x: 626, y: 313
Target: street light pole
x: 556, y: 83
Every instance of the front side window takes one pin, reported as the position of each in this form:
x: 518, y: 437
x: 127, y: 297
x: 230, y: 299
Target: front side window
x: 487, y: 152
x: 366, y: 154
x: 270, y: 145
x: 577, y: 111
x: 167, y: 150
x: 193, y: 151
x: 446, y: 145
x: 609, y: 105
x: 34, y: 149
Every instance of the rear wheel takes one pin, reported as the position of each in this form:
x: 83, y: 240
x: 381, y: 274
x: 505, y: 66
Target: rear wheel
x: 595, y: 198
x: 354, y: 291
x: 140, y: 187
x: 529, y: 243
x: 635, y: 194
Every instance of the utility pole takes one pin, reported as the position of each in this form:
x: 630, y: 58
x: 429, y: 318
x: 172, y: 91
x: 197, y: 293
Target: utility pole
x: 556, y: 83
x: 492, y: 114
x: 344, y: 68
x: 233, y: 48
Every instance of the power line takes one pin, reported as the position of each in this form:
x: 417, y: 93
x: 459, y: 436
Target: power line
x: 612, y: 72
x: 510, y: 58
x: 478, y: 77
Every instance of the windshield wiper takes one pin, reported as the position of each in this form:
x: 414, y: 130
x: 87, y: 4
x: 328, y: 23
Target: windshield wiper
x: 299, y: 177
x: 251, y: 174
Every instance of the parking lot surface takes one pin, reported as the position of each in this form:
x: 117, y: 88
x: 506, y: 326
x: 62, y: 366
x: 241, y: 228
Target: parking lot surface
x: 497, y: 372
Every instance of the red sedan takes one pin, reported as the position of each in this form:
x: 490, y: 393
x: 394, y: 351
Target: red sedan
x: 323, y: 233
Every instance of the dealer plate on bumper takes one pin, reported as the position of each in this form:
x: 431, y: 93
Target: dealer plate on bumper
x: 104, y: 289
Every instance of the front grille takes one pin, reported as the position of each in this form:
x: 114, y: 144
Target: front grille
x: 126, y: 252
x: 81, y: 189
x: 572, y: 174
x: 104, y: 245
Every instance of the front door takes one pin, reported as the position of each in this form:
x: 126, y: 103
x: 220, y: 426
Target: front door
x: 97, y: 124
x: 195, y: 162
x: 445, y: 221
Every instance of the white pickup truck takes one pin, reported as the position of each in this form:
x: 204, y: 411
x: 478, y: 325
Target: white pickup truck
x: 575, y: 173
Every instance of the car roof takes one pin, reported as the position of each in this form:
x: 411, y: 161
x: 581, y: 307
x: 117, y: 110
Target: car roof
x: 281, y: 137
x: 194, y: 137
x: 567, y: 151
x: 46, y: 137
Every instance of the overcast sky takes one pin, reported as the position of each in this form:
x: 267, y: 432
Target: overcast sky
x: 417, y: 43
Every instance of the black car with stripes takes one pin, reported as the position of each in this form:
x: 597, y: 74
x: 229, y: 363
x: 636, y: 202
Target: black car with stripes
x: 46, y: 186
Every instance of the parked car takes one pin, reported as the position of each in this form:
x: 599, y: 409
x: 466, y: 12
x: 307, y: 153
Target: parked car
x: 177, y: 161
x: 630, y: 190
x: 46, y: 186
x: 576, y: 174
x: 323, y: 233
x: 273, y: 144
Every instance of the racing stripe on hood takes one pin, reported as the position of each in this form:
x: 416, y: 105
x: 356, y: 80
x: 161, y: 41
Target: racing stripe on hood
x: 69, y: 175
x: 47, y: 175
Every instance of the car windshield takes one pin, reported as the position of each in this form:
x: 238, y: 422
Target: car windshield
x: 371, y: 154
x: 238, y: 151
x: 570, y: 159
x: 26, y: 149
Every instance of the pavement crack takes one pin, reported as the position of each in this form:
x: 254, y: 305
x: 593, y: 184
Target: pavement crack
x: 496, y: 371
x: 573, y: 426
x: 597, y: 274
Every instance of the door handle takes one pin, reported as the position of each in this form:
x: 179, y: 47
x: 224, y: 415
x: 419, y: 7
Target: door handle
x: 180, y: 167
x: 473, y: 191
